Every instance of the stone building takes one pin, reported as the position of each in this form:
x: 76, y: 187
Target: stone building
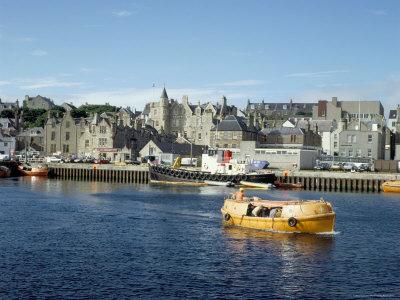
x: 286, y: 137
x: 350, y: 110
x: 273, y: 114
x: 8, y: 105
x: 63, y: 135
x: 231, y: 131
x: 38, y: 102
x: 194, y: 122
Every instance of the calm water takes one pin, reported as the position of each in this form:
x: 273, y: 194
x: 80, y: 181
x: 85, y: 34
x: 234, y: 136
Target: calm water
x: 63, y: 239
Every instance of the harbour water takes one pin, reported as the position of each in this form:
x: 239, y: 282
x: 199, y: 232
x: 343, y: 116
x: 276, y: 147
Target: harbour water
x: 69, y: 239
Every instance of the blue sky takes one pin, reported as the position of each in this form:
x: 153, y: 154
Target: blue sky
x: 98, y: 51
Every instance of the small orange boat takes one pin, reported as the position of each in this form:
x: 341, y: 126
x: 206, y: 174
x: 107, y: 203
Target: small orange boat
x: 391, y: 186
x: 287, y: 186
x: 28, y: 170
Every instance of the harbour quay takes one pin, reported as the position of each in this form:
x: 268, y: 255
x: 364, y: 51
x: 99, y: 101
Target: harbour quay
x: 310, y: 180
x: 337, y: 181
x: 102, y: 173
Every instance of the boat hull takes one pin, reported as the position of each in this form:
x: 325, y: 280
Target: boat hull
x: 4, y: 172
x: 33, y: 171
x: 304, y: 217
x: 167, y: 174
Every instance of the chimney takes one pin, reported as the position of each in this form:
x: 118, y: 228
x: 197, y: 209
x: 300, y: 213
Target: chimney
x: 185, y: 99
x: 334, y: 101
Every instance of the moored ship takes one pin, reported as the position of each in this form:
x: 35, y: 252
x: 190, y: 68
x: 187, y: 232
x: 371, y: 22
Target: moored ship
x: 4, y: 172
x: 216, y: 166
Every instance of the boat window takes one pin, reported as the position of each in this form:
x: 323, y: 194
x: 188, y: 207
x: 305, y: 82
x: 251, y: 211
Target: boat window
x: 230, y: 167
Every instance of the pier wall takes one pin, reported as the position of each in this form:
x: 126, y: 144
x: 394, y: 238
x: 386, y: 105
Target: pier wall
x: 102, y: 173
x: 338, y: 181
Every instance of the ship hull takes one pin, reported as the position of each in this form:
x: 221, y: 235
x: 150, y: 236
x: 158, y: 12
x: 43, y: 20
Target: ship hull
x: 167, y: 174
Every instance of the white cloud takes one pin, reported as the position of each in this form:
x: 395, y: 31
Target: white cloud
x: 30, y: 84
x: 38, y: 52
x: 87, y: 70
x: 4, y: 82
x: 121, y: 13
x: 378, y: 12
x: 240, y: 83
x: 316, y: 74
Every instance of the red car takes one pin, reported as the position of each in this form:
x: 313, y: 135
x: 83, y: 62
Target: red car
x: 101, y: 161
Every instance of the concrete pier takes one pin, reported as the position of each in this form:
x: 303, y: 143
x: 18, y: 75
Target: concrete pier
x: 102, y: 173
x: 338, y: 181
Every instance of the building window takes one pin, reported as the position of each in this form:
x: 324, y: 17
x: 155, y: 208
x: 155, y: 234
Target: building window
x: 67, y: 124
x: 103, y: 129
x: 369, y: 138
x: 349, y: 138
x: 53, y: 125
x: 334, y: 144
x: 86, y: 143
x: 369, y: 153
x: 102, y: 142
x: 157, y: 123
x: 358, y: 152
x: 66, y: 148
x: 52, y: 148
x: 151, y: 150
x: 233, y: 145
x: 199, y: 136
x: 354, y: 138
x: 53, y: 135
x: 67, y: 136
x: 335, y: 136
x: 393, y: 123
x: 350, y: 152
x: 5, y: 144
x: 284, y: 106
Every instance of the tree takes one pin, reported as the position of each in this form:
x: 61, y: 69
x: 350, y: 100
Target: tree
x: 78, y: 113
x: 7, y: 113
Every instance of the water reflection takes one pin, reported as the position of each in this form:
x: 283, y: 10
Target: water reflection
x: 286, y: 243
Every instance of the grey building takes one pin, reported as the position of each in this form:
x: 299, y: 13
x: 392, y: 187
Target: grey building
x: 38, y: 102
x: 8, y: 105
x: 350, y: 110
x: 359, y: 139
x: 285, y: 137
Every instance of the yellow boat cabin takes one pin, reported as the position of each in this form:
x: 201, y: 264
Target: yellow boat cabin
x: 311, y: 216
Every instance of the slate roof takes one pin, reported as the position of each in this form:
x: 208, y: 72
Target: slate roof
x: 283, y: 131
x: 178, y: 148
x: 393, y: 114
x: 233, y: 123
x: 164, y: 94
x: 323, y: 125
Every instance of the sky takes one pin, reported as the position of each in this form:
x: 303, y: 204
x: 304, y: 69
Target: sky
x: 124, y: 52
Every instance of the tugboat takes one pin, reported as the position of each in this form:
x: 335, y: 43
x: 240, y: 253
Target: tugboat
x: 216, y: 166
x: 310, y: 216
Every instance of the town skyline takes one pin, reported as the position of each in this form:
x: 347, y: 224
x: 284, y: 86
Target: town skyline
x: 115, y: 52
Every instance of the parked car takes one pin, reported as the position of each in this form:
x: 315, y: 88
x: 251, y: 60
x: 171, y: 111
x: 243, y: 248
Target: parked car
x: 132, y: 162
x: 148, y: 158
x: 322, y: 166
x: 53, y: 159
x: 101, y: 161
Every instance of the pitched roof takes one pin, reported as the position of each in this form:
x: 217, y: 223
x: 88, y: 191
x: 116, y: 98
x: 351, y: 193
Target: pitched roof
x: 164, y: 94
x: 179, y: 148
x: 283, y: 131
x: 233, y: 123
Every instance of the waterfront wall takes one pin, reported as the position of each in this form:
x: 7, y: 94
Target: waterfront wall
x: 121, y: 174
x: 338, y: 181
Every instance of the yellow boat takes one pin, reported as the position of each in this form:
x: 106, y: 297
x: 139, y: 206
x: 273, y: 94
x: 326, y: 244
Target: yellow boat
x: 391, y: 186
x: 311, y: 216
